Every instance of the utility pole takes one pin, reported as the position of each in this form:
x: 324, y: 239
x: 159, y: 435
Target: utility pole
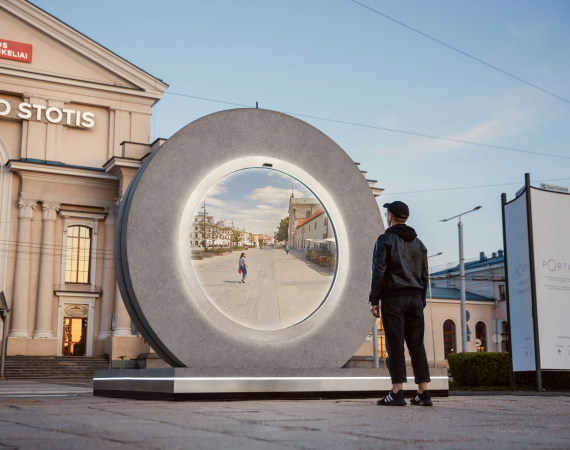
x: 204, y: 222
x: 375, y: 344
x: 462, y: 278
x: 462, y: 294
x: 431, y: 311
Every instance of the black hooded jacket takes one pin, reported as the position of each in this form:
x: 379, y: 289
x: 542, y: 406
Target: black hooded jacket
x: 399, y: 265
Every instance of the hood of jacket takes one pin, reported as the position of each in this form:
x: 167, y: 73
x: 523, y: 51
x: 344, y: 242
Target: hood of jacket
x: 407, y: 233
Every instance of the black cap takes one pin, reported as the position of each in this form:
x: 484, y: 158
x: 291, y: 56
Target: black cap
x: 399, y: 209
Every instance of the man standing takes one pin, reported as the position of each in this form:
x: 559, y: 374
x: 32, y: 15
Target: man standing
x: 400, y: 280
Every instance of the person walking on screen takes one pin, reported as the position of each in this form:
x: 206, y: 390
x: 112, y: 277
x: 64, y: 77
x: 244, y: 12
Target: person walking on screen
x: 287, y: 249
x: 400, y: 280
x: 242, y: 267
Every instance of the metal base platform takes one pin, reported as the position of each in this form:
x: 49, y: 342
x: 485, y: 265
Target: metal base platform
x: 224, y: 384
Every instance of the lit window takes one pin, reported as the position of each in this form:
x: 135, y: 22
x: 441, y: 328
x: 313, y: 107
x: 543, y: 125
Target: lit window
x: 379, y: 324
x: 449, y: 342
x: 481, y: 333
x: 382, y: 352
x: 78, y: 256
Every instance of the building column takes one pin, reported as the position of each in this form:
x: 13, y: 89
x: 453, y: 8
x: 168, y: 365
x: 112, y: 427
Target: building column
x: 44, y: 322
x: 21, y: 292
x: 109, y: 281
x: 122, y: 318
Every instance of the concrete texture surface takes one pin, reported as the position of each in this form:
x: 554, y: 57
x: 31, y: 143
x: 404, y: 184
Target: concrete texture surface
x: 86, y: 422
x: 279, y: 291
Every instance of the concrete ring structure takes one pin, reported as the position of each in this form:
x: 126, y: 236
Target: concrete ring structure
x: 152, y: 256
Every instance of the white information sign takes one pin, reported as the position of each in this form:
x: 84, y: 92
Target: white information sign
x: 520, y: 296
x: 551, y: 236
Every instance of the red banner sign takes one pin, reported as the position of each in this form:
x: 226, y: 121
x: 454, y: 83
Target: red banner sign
x: 18, y: 51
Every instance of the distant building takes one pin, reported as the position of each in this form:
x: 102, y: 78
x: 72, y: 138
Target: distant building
x: 300, y: 208
x: 315, y: 232
x: 485, y: 301
x: 212, y: 233
x: 484, y: 276
x: 263, y: 239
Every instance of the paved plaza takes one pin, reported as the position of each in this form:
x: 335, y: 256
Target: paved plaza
x: 280, y: 289
x: 35, y: 415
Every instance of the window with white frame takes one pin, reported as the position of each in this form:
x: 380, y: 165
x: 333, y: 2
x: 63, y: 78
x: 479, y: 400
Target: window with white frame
x: 78, y: 255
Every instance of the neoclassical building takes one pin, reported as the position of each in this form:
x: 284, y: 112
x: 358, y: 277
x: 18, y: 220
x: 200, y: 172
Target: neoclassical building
x: 75, y: 125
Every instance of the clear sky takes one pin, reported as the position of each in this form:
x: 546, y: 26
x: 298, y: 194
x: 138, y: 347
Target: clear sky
x: 255, y: 199
x: 335, y: 59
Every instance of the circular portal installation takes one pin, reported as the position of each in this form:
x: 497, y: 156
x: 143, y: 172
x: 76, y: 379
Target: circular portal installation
x: 185, y: 312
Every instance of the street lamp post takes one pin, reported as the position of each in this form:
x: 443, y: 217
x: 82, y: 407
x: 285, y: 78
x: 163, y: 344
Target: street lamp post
x: 204, y: 240
x: 431, y: 311
x: 462, y: 278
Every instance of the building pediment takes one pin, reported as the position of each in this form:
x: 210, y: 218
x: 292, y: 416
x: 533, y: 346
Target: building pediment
x: 62, y: 55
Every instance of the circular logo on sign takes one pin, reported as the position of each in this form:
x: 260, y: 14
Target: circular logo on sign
x: 477, y: 342
x: 75, y: 310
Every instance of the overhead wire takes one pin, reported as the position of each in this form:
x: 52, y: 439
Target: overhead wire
x: 392, y: 130
x: 471, y: 187
x: 504, y: 72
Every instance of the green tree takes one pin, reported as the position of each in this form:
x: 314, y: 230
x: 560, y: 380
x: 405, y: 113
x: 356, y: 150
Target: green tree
x: 205, y: 227
x: 283, y: 230
x: 236, y: 237
x: 217, y: 230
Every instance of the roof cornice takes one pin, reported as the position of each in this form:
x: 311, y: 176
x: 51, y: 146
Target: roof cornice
x: 85, y: 46
x: 20, y: 167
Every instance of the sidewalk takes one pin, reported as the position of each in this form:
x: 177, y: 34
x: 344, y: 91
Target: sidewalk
x: 86, y: 422
x: 280, y: 289
x: 29, y: 388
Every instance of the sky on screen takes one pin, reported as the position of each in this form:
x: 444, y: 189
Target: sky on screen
x: 335, y: 59
x: 254, y: 199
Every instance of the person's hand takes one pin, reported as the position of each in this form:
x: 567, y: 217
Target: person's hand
x: 375, y: 310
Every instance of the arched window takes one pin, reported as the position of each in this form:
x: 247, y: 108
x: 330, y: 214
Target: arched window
x: 481, y: 333
x: 505, y: 337
x: 78, y: 256
x: 449, y: 342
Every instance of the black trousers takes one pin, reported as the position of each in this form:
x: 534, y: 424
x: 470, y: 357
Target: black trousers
x: 403, y: 320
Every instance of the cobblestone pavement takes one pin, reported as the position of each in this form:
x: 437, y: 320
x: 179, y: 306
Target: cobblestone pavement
x: 280, y: 289
x: 85, y: 422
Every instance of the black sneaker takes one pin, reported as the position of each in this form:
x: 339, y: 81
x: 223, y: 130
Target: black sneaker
x: 423, y: 399
x: 393, y: 399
